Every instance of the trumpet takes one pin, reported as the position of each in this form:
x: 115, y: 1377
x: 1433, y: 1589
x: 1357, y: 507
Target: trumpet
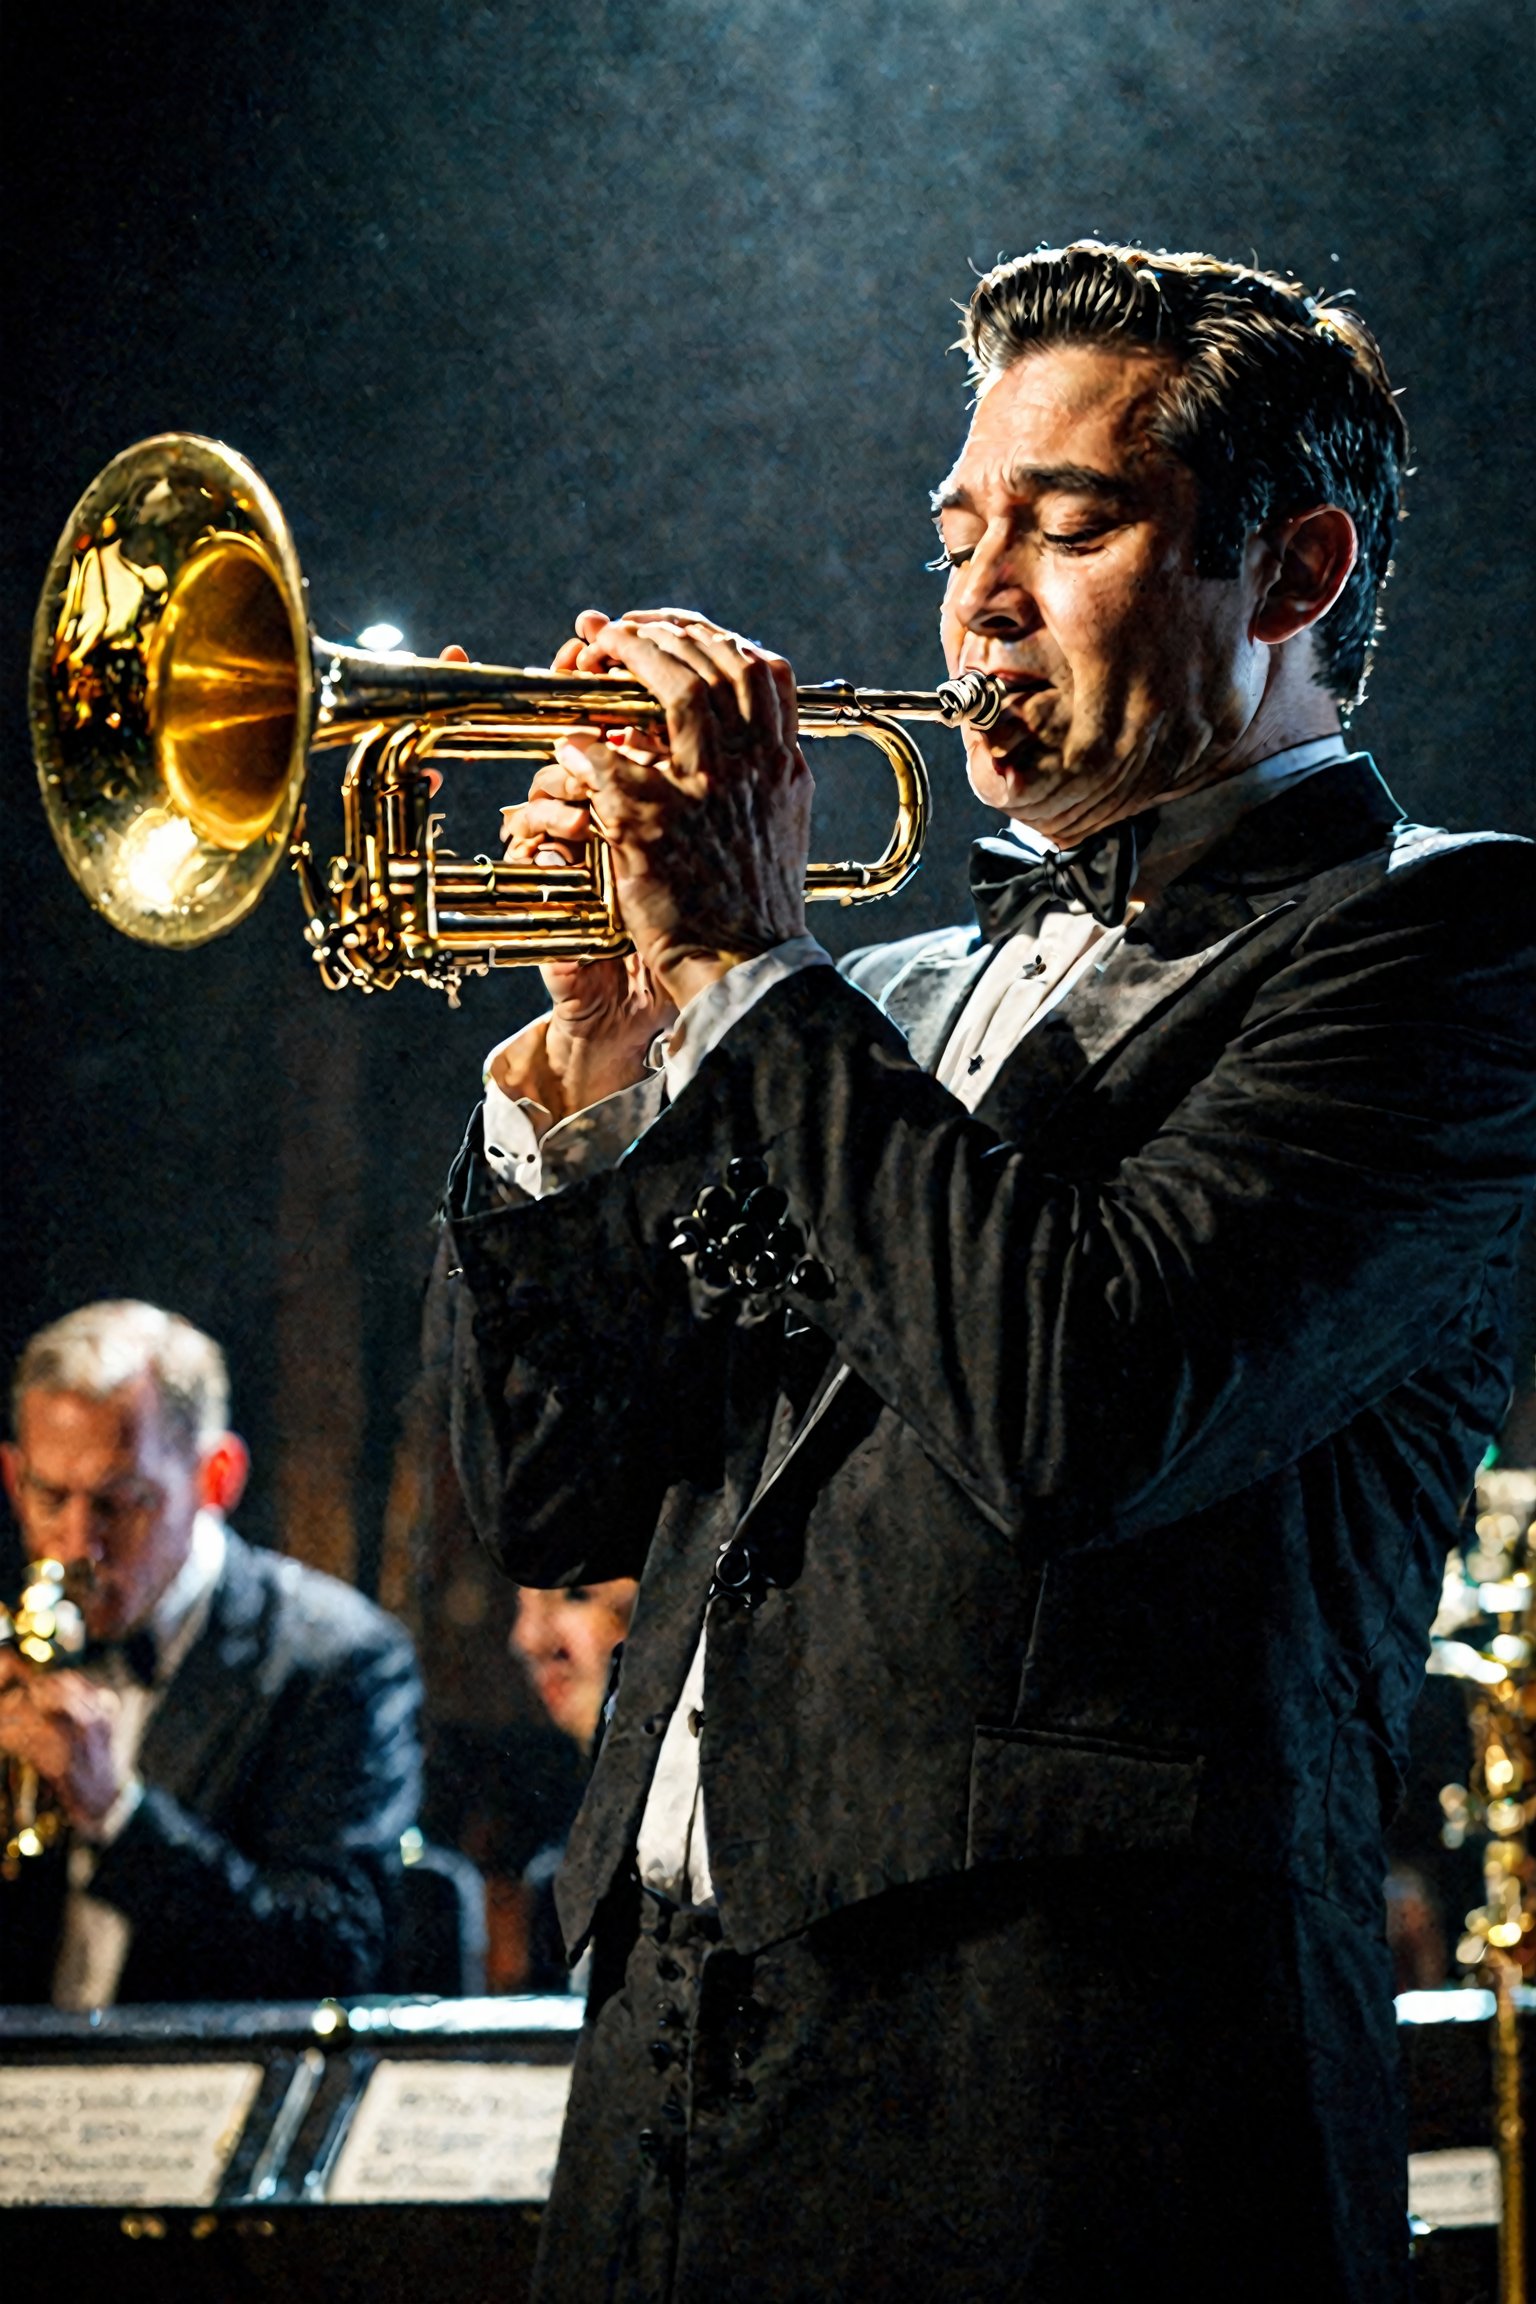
x: 46, y: 1627
x: 177, y: 693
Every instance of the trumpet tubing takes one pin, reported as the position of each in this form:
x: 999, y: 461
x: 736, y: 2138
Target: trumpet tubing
x: 177, y: 693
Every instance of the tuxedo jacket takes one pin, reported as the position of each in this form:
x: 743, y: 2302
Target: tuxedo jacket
x: 1097, y: 1485
x: 281, y: 1765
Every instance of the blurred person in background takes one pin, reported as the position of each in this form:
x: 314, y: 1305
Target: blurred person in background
x: 236, y: 1755
x: 567, y: 1638
x: 570, y: 1640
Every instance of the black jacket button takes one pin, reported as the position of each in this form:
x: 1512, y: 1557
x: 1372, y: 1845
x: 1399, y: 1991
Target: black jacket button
x: 716, y: 1210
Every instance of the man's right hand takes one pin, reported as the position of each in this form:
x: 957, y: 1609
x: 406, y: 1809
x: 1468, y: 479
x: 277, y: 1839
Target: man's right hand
x: 705, y: 807
x: 604, y: 1014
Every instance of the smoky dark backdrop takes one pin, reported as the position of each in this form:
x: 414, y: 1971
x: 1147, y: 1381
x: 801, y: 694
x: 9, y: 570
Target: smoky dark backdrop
x: 525, y: 308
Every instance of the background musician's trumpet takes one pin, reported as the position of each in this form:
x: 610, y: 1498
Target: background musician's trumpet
x: 177, y: 692
x: 47, y: 1628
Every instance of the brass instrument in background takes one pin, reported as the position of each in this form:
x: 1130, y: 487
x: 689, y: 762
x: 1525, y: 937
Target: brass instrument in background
x: 177, y: 691
x: 46, y: 1627
x: 1485, y: 1634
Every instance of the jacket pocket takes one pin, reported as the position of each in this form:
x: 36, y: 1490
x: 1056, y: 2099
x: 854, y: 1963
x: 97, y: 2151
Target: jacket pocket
x: 1039, y: 1792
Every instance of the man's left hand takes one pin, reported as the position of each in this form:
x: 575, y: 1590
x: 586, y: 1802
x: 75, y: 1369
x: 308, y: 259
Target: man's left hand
x: 708, y: 825
x: 63, y: 1724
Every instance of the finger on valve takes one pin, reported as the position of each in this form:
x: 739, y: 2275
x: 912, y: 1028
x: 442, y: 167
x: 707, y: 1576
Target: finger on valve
x: 552, y: 825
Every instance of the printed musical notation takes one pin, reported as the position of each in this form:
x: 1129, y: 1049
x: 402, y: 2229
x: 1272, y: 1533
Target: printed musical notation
x: 441, y: 2131
x: 120, y: 2135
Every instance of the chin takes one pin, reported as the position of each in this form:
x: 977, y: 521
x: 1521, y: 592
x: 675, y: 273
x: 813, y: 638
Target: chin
x: 1020, y: 789
x: 562, y: 1701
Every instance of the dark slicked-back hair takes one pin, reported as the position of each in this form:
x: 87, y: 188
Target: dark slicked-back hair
x: 1277, y: 403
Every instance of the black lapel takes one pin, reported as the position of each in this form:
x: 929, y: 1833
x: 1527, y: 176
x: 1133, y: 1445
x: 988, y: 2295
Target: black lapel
x: 205, y: 1710
x: 924, y: 1000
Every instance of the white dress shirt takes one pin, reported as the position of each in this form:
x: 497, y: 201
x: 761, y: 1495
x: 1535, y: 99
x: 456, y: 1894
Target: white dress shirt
x: 1030, y: 972
x: 95, y: 1936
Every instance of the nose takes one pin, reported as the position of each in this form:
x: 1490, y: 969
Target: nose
x: 530, y: 1635
x: 76, y: 1532
x: 990, y: 594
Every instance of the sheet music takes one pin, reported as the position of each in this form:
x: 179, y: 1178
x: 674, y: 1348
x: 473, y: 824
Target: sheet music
x: 450, y: 2131
x: 1455, y: 2188
x: 120, y: 2135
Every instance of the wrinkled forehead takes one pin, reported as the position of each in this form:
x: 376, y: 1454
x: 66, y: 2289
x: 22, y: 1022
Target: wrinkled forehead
x: 1076, y: 417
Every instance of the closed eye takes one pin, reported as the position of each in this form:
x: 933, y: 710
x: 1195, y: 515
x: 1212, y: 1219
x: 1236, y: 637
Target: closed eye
x: 1077, y: 540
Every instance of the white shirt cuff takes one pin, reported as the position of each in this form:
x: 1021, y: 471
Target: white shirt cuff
x: 710, y: 1014
x: 526, y: 1147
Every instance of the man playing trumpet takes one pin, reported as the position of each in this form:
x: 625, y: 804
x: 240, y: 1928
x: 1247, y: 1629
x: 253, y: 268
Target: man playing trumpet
x: 1034, y: 1372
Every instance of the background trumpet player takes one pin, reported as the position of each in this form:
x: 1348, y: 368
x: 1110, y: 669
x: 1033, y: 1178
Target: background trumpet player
x: 237, y: 1756
x: 1034, y: 1375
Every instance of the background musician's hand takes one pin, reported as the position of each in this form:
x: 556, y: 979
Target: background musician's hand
x: 709, y: 829
x: 63, y: 1724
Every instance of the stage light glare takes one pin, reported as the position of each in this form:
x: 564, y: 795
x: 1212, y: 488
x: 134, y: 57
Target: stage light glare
x: 381, y: 638
x: 159, y: 859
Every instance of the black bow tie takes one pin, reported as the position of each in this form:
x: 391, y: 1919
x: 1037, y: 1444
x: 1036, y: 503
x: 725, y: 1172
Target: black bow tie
x: 138, y: 1654
x: 1013, y: 888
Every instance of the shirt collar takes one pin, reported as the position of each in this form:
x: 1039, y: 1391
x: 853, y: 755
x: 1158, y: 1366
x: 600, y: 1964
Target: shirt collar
x: 1200, y: 818
x: 181, y: 1611
x: 1207, y: 814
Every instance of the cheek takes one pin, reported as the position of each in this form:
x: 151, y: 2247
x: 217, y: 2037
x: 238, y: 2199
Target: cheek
x: 135, y: 1566
x: 1118, y: 627
x: 585, y: 1644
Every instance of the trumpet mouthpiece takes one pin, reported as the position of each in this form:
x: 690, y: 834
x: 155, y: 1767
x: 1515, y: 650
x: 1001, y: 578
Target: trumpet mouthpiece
x: 972, y: 696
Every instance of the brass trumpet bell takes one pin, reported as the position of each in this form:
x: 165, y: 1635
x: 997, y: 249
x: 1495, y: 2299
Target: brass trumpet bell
x: 177, y: 692
x: 171, y: 691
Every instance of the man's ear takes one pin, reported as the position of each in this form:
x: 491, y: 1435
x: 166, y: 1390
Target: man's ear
x: 1309, y: 559
x: 10, y: 1472
x: 223, y: 1472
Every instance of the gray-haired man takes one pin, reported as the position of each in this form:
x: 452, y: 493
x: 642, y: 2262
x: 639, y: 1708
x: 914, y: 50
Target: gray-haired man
x: 238, y: 1755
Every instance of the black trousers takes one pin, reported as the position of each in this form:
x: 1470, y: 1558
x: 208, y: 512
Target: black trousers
x: 996, y: 2090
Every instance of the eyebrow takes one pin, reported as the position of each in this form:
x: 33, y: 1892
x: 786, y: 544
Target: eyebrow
x: 1046, y: 479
